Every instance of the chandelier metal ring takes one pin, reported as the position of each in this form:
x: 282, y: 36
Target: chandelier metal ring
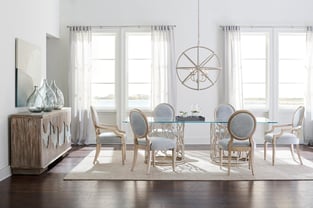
x: 198, y: 68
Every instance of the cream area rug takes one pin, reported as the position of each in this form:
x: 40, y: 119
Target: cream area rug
x: 197, y: 166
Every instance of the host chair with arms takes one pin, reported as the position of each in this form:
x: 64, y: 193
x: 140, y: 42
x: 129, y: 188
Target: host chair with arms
x: 150, y: 144
x: 241, y: 127
x: 107, y: 134
x: 286, y: 134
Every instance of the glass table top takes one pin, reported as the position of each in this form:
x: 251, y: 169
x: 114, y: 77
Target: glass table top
x: 206, y: 121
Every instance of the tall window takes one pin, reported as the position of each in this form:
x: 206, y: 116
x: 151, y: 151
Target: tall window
x: 254, y: 68
x: 139, y: 70
x: 273, y: 68
x: 291, y: 72
x: 121, y: 69
x: 103, y: 70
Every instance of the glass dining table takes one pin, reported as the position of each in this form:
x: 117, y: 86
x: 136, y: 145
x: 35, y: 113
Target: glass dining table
x: 176, y: 129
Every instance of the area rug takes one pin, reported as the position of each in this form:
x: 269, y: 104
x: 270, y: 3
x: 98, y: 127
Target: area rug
x: 197, y: 166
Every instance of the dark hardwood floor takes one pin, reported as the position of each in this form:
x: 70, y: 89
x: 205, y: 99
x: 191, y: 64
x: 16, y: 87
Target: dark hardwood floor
x: 50, y: 190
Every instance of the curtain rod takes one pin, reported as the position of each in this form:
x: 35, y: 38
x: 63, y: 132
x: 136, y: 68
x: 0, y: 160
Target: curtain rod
x: 119, y: 26
x: 267, y: 26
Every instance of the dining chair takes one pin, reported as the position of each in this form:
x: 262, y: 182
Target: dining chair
x: 163, y: 115
x: 241, y: 127
x: 163, y: 125
x: 107, y: 134
x: 164, y: 112
x: 219, y: 130
x: 151, y: 144
x: 286, y: 134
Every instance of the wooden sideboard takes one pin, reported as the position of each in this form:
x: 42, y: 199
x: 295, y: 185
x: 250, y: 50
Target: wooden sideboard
x: 38, y: 139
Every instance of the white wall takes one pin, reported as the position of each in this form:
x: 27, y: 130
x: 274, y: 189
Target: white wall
x: 183, y: 14
x: 31, y: 21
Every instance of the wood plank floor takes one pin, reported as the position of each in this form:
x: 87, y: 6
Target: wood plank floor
x: 49, y: 190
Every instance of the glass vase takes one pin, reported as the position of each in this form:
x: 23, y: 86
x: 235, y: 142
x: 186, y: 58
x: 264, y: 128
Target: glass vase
x: 48, y: 96
x: 59, y: 96
x: 35, y: 102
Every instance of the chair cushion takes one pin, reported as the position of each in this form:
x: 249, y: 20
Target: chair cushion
x: 162, y: 143
x: 286, y: 138
x: 223, y: 143
x: 108, y: 138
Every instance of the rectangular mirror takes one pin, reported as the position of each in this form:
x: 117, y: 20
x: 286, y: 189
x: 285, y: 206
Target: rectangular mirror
x: 27, y: 70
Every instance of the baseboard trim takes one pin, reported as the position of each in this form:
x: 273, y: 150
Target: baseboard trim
x: 5, y: 173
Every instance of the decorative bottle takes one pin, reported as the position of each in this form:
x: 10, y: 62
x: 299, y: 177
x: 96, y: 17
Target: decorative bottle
x: 59, y: 96
x: 35, y: 102
x: 48, y: 96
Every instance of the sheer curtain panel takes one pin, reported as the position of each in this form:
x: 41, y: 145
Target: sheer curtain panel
x: 232, y: 65
x: 79, y: 83
x: 308, y: 134
x: 163, y: 66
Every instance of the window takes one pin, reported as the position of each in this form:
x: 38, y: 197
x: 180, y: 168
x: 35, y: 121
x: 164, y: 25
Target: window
x: 291, y: 69
x: 103, y: 70
x: 254, y: 68
x: 273, y: 72
x: 121, y: 69
x: 139, y: 70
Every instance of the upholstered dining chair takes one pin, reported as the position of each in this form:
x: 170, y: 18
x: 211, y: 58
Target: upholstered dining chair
x: 219, y: 130
x: 107, y: 134
x: 163, y: 112
x: 286, y: 134
x: 151, y: 144
x: 241, y: 127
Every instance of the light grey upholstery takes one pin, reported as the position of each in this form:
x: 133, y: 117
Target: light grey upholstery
x: 164, y: 112
x: 223, y: 112
x: 241, y: 127
x: 107, y: 134
x: 142, y: 140
x: 286, y: 134
x: 219, y: 130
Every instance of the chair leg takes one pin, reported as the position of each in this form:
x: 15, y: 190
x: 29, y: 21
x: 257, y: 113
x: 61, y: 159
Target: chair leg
x: 299, y: 156
x: 174, y: 159
x: 123, y: 153
x: 135, y: 157
x: 153, y: 158
x: 98, y: 147
x: 149, y: 162
x: 229, y: 161
x: 251, y: 160
x: 273, y: 153
x: 265, y: 148
x: 221, y: 158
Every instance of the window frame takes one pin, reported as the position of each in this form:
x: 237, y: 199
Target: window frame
x: 272, y: 71
x: 121, y: 69
x: 116, y: 33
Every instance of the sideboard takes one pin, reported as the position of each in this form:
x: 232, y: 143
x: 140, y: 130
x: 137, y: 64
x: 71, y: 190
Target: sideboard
x: 38, y: 139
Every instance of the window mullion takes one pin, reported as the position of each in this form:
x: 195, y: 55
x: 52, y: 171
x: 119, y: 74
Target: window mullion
x: 273, y: 85
x: 122, y: 87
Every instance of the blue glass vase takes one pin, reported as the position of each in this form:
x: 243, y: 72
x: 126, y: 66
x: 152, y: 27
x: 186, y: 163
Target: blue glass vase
x: 59, y: 96
x: 35, y: 102
x: 48, y: 96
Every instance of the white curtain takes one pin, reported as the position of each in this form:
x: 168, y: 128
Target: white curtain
x: 163, y: 65
x: 232, y: 65
x: 79, y: 83
x: 308, y: 132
